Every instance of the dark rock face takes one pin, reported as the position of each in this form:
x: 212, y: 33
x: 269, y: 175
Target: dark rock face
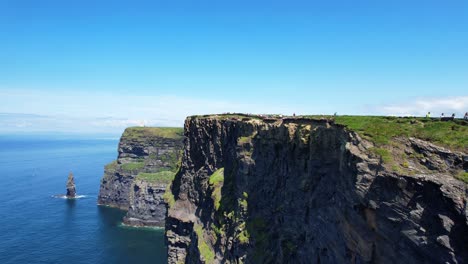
x: 141, y: 151
x: 303, y: 191
x: 71, y: 188
x: 147, y: 206
x: 438, y: 158
x: 145, y: 154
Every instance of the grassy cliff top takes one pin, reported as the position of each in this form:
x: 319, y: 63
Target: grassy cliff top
x: 149, y: 132
x: 162, y: 177
x: 382, y: 129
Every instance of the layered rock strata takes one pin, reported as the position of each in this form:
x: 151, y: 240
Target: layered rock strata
x: 131, y: 182
x: 147, y: 205
x: 254, y: 190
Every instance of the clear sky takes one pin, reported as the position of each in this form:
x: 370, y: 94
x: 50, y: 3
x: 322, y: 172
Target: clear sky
x: 99, y: 66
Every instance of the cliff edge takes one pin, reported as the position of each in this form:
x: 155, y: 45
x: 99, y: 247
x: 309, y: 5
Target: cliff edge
x: 147, y: 160
x: 256, y: 189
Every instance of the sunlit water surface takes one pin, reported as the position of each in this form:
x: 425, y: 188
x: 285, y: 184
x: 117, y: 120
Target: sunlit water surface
x: 36, y: 227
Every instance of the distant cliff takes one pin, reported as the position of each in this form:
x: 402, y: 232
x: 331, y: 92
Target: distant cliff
x: 147, y: 161
x: 302, y: 190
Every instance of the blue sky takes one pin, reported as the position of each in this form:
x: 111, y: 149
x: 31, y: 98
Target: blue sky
x: 99, y: 66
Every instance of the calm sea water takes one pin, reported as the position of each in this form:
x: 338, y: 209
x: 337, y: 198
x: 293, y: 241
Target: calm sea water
x: 37, y: 228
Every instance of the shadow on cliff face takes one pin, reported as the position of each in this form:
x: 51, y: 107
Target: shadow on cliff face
x: 298, y: 186
x: 284, y: 191
x: 416, y: 221
x: 304, y: 192
x: 303, y: 201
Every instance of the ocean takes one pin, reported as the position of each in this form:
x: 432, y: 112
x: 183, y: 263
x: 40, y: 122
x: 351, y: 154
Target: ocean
x: 35, y: 227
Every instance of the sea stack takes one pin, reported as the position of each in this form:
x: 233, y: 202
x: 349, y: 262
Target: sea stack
x: 71, y: 192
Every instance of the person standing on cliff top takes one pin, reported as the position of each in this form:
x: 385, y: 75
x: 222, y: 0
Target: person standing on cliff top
x: 466, y: 116
x: 428, y: 115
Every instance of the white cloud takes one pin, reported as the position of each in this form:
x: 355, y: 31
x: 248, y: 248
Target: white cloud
x: 99, y: 112
x: 420, y: 106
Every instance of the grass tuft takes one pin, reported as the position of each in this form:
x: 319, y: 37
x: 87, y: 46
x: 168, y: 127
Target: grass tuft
x: 111, y: 166
x: 216, y: 180
x: 169, y: 196
x: 217, y: 177
x: 133, y: 166
x: 205, y: 251
x: 164, y: 177
x: 463, y: 175
x: 383, y: 153
x: 244, y: 237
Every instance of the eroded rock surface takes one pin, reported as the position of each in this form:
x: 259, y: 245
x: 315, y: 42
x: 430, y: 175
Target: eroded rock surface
x: 147, y: 205
x: 305, y: 191
x: 141, y: 151
x: 71, y: 188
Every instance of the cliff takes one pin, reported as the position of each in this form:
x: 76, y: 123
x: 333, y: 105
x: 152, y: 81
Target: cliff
x: 301, y: 190
x: 147, y: 204
x: 147, y: 161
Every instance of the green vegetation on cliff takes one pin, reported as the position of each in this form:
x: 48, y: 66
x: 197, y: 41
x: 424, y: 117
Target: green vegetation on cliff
x: 142, y: 133
x: 389, y: 135
x: 172, y: 159
x: 381, y: 130
x: 205, y: 250
x: 111, y: 167
x: 169, y: 196
x: 132, y: 166
x: 164, y: 177
x: 216, y: 180
x: 463, y: 176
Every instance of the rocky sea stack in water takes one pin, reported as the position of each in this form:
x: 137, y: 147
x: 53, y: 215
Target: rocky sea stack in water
x: 265, y: 189
x: 147, y: 161
x: 71, y: 188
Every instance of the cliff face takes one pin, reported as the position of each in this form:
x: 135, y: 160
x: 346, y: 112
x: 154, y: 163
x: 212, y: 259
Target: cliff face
x: 132, y: 182
x: 147, y: 205
x: 305, y: 191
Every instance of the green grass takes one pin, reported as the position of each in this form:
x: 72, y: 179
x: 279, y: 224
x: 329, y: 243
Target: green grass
x: 112, y: 166
x: 405, y: 164
x: 383, y: 153
x: 243, y: 140
x: 381, y: 130
x: 217, y: 230
x: 133, y: 166
x: 244, y: 237
x: 143, y: 133
x: 165, y: 177
x: 171, y: 158
x: 463, y: 176
x: 216, y: 180
x: 205, y: 251
x: 217, y: 177
x: 169, y: 196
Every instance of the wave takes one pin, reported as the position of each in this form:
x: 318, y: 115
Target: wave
x: 63, y: 196
x: 141, y: 228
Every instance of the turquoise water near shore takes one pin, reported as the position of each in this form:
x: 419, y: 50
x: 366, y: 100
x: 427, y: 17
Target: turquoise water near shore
x: 35, y: 227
